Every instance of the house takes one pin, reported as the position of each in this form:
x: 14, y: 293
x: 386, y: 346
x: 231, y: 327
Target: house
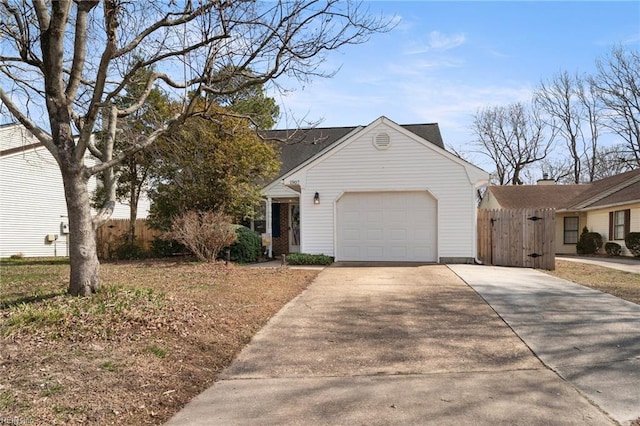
x: 33, y: 210
x: 381, y: 192
x: 610, y: 207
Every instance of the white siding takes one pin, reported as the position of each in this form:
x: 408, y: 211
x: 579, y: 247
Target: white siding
x: 406, y: 165
x: 32, y: 202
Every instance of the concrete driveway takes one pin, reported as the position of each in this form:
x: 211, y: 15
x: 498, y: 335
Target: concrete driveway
x: 382, y: 346
x: 590, y: 338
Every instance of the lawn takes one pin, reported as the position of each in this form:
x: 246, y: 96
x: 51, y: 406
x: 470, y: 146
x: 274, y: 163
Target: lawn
x: 624, y: 285
x: 155, y: 336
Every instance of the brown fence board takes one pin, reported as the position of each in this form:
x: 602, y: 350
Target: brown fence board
x: 110, y: 235
x: 511, y: 237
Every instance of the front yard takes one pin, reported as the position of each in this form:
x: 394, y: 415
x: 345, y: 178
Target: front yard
x: 153, y: 338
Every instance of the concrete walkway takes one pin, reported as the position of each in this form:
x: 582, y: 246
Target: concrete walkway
x: 590, y: 338
x: 388, y: 346
x: 620, y: 263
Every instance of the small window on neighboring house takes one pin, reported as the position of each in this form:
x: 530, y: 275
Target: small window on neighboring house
x: 619, y: 224
x: 571, y: 225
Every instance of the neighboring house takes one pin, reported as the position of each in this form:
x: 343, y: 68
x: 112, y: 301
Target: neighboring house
x: 32, y: 204
x: 381, y: 192
x: 610, y: 207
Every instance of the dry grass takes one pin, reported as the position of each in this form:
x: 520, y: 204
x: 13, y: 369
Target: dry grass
x: 134, y: 354
x: 624, y: 285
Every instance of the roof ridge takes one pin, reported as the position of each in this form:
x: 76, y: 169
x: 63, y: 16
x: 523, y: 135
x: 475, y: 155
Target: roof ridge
x: 605, y: 193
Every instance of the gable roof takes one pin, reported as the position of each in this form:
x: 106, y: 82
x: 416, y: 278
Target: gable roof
x: 618, y: 189
x: 299, y: 145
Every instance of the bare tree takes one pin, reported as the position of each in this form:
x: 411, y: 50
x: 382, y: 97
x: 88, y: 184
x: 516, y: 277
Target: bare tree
x: 572, y: 112
x: 617, y: 85
x: 513, y: 137
x: 610, y: 161
x: 71, y: 60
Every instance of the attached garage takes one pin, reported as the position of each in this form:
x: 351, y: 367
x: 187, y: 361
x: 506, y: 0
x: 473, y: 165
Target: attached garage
x: 377, y: 193
x: 386, y: 226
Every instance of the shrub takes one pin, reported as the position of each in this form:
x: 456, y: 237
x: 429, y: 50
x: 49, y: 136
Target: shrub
x: 632, y: 241
x: 309, y: 259
x: 246, y: 248
x: 128, y: 250
x: 612, y: 249
x: 166, y: 248
x: 204, y: 234
x: 589, y: 243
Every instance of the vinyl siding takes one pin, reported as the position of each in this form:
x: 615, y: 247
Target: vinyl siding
x: 32, y: 202
x: 406, y: 165
x: 598, y: 221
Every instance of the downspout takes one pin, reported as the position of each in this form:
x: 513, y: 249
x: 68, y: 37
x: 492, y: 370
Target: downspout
x: 475, y: 227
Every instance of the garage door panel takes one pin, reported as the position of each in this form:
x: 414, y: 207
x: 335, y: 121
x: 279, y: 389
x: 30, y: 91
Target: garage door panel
x: 386, y: 226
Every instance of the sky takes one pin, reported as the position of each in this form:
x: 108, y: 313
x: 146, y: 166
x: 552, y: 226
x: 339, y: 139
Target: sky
x: 445, y: 60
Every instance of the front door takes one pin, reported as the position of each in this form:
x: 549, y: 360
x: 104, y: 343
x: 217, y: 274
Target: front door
x: 294, y: 228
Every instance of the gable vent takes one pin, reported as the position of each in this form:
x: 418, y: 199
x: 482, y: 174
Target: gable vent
x: 382, y: 141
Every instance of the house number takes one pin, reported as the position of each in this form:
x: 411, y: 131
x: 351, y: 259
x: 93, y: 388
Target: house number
x: 294, y: 182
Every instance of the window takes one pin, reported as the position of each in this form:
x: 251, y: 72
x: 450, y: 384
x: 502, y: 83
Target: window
x: 619, y: 224
x: 571, y: 225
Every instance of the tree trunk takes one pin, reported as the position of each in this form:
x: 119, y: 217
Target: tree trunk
x: 83, y: 256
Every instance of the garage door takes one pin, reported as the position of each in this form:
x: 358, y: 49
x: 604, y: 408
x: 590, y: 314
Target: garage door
x: 386, y: 226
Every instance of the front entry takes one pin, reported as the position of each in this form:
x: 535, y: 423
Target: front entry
x: 294, y: 228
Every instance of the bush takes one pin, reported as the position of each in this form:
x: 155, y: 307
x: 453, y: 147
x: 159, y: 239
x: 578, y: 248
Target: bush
x: 204, y: 234
x: 612, y: 249
x: 246, y: 248
x: 166, y: 248
x: 128, y: 250
x: 589, y: 243
x: 632, y: 241
x: 309, y: 259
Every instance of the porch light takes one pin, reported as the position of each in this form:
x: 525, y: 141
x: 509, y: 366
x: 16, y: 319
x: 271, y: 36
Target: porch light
x: 316, y: 198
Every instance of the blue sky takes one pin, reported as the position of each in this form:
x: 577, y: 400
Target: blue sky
x: 444, y: 60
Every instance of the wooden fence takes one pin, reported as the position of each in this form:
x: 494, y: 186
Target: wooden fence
x: 524, y: 238
x: 110, y: 235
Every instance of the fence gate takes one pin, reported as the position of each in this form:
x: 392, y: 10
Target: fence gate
x: 518, y: 237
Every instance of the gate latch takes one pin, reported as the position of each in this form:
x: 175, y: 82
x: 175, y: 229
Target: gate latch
x: 534, y: 255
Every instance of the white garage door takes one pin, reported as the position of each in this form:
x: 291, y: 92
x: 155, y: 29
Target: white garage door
x: 386, y: 226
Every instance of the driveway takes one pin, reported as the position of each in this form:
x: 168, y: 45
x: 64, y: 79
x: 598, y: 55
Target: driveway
x: 589, y: 338
x: 382, y: 346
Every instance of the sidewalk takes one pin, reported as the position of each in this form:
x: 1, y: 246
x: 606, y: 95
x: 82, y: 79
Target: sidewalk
x: 589, y: 338
x: 620, y: 263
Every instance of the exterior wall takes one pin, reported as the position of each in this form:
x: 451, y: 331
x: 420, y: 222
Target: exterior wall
x: 598, y: 221
x: 489, y: 202
x: 561, y: 247
x: 32, y: 202
x: 406, y: 165
x: 281, y: 243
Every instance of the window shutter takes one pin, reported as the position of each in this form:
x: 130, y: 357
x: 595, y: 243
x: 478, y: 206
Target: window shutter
x: 611, y: 234
x: 627, y: 222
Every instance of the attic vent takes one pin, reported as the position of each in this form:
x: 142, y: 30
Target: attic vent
x: 382, y: 141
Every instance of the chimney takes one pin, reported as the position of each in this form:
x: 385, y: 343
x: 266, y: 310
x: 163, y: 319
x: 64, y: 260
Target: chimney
x: 545, y: 180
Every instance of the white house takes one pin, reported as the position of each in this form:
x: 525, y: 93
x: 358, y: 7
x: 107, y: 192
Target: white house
x: 33, y: 212
x: 382, y: 192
